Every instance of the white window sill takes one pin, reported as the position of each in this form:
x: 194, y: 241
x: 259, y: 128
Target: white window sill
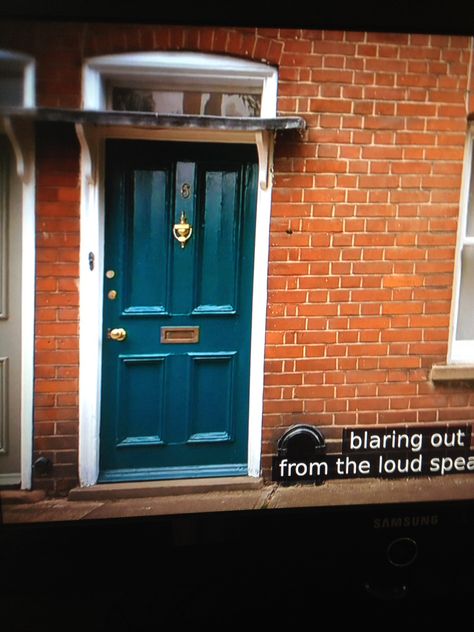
x: 452, y: 372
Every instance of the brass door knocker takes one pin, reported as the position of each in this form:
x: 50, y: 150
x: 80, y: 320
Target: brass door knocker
x: 182, y: 231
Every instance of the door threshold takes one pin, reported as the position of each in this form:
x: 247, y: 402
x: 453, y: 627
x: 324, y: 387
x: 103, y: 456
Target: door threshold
x: 179, y: 487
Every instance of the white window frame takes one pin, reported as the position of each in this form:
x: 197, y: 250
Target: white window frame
x: 462, y: 351
x: 26, y: 65
x: 200, y: 68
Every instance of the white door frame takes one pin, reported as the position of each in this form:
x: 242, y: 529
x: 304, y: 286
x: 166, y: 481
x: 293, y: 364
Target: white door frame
x: 21, y: 137
x: 190, y: 67
x: 91, y: 286
x: 20, y: 134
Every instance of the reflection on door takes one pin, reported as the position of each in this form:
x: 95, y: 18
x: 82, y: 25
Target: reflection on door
x: 178, y: 270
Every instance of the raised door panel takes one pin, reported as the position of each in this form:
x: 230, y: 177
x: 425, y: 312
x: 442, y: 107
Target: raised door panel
x: 141, y: 400
x: 217, y: 269
x: 212, y: 393
x: 146, y: 247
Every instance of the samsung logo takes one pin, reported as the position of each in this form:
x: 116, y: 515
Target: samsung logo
x: 396, y: 522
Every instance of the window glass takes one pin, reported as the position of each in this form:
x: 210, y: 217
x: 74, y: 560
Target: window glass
x: 465, y: 325
x: 470, y: 202
x: 462, y: 342
x: 11, y: 85
x: 169, y: 101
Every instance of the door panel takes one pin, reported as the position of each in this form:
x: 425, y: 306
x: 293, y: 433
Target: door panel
x: 217, y: 285
x: 10, y: 318
x: 146, y: 226
x: 175, y: 390
x: 141, y: 409
x: 212, y: 388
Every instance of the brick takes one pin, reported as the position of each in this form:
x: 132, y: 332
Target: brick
x: 371, y: 192
x: 326, y: 166
x: 55, y: 443
x: 56, y: 386
x: 379, y: 182
x: 330, y: 105
x: 332, y: 75
x: 396, y: 281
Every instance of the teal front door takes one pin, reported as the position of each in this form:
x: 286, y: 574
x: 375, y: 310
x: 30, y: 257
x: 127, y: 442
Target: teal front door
x: 178, y: 272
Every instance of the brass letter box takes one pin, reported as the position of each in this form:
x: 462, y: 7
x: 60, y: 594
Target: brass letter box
x: 179, y: 335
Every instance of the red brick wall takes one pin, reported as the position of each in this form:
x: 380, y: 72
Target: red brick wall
x: 360, y: 291
x: 363, y: 229
x: 57, y: 305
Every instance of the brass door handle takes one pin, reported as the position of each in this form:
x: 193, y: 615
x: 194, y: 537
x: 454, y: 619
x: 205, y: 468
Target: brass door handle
x: 119, y: 334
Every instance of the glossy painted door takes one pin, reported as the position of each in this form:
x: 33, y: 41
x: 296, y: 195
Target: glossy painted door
x: 178, y: 271
x: 10, y: 318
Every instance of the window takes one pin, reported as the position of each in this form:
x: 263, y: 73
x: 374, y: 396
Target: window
x: 16, y: 80
x: 462, y: 329
x: 181, y: 83
x: 182, y: 101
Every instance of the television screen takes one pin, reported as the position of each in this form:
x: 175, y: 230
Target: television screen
x: 236, y: 349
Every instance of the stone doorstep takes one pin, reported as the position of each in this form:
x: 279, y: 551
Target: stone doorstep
x: 21, y: 497
x: 150, y: 489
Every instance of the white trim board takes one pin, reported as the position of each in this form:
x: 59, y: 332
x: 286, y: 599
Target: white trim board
x: 92, y: 241
x: 21, y: 137
x: 198, y: 68
x: 461, y: 351
x: 192, y: 68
